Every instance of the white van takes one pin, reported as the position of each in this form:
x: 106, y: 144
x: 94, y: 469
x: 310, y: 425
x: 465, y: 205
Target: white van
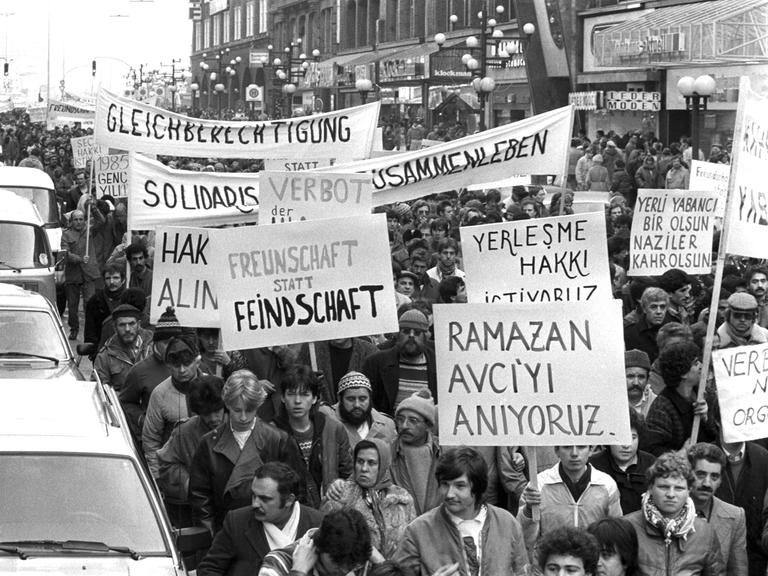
x: 26, y: 259
x: 74, y: 496
x: 37, y: 187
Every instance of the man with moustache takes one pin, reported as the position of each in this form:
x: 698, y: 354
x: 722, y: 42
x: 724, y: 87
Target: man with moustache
x: 740, y: 327
x: 274, y: 520
x: 404, y: 369
x: 729, y: 521
x: 100, y: 305
x: 128, y: 346
x: 757, y: 285
x: 355, y: 411
x: 637, y: 368
x: 641, y: 335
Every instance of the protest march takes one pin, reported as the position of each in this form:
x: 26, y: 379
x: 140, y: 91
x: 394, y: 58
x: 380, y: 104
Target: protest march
x: 299, y: 329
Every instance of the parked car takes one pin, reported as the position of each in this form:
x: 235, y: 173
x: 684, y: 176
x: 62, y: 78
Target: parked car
x: 33, y: 343
x: 25, y: 252
x: 73, y: 493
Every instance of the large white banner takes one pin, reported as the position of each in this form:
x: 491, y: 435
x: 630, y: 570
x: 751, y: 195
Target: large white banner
x: 558, y: 259
x: 536, y: 145
x: 284, y: 164
x: 713, y: 177
x: 544, y: 375
x: 112, y: 175
x: 84, y: 149
x: 748, y: 226
x: 303, y: 281
x: 137, y: 126
x: 672, y: 229
x: 741, y: 374
x: 294, y: 196
x: 69, y: 112
x: 159, y: 196
x: 182, y: 277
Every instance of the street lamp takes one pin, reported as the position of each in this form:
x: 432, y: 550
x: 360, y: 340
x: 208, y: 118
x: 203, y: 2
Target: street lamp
x: 290, y: 69
x: 477, y: 61
x: 696, y: 93
x: 214, y: 76
x: 194, y: 88
x: 363, y: 86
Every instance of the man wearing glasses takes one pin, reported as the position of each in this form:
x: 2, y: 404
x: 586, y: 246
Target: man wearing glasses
x: 740, y: 327
x: 406, y: 368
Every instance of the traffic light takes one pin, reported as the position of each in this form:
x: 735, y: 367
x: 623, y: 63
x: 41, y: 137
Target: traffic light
x: 5, y: 68
x: 93, y: 67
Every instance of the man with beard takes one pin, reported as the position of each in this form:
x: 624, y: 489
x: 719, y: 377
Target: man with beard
x: 125, y: 348
x: 757, y: 285
x: 274, y: 520
x: 100, y: 305
x: 678, y: 285
x: 404, y: 369
x: 141, y: 273
x: 354, y: 410
x: 729, y: 521
x: 641, y: 335
x: 740, y: 327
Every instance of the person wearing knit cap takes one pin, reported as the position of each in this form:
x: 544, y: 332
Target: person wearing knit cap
x: 168, y: 402
x: 356, y: 412
x: 637, y: 368
x: 407, y: 367
x: 416, y: 450
x: 740, y: 327
x: 147, y: 374
x: 124, y: 349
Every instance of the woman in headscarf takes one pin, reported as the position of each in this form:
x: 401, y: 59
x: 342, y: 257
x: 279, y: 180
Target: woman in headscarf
x: 387, y: 508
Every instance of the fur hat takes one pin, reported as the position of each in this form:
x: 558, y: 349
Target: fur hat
x: 422, y: 404
x: 637, y: 359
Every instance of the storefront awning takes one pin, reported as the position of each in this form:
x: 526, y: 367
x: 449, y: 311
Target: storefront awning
x: 712, y: 31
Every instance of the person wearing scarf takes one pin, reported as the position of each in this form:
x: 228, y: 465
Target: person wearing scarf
x: 448, y: 250
x: 740, y: 327
x: 671, y: 538
x: 387, y: 508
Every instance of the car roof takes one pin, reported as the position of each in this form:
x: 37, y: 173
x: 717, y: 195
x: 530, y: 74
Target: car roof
x: 56, y: 416
x: 25, y: 177
x: 12, y: 296
x: 18, y: 209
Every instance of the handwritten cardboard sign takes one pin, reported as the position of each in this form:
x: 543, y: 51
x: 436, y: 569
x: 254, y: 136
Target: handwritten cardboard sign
x: 742, y: 390
x: 672, y: 229
x: 558, y: 259
x: 292, y: 196
x: 544, y: 375
x: 182, y: 277
x: 304, y: 281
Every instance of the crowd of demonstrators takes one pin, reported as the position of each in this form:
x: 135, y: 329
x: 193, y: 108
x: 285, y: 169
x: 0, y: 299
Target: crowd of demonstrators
x: 324, y: 457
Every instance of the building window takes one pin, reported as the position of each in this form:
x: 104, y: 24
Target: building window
x: 197, y: 36
x: 226, y: 24
x: 216, y: 30
x: 237, y: 22
x: 206, y: 33
x: 262, y: 16
x: 250, y: 19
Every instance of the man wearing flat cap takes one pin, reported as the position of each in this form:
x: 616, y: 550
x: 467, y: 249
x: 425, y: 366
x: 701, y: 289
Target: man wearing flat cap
x: 740, y: 327
x: 126, y: 347
x: 404, y: 369
x: 637, y: 368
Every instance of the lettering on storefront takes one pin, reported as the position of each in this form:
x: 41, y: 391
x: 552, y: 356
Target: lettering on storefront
x: 633, y: 101
x: 650, y: 45
x: 591, y: 100
x: 446, y: 63
x: 400, y: 68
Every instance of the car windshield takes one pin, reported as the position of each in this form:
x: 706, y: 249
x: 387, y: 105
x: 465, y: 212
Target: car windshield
x: 31, y: 332
x: 42, y: 198
x: 22, y: 246
x: 77, y: 497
